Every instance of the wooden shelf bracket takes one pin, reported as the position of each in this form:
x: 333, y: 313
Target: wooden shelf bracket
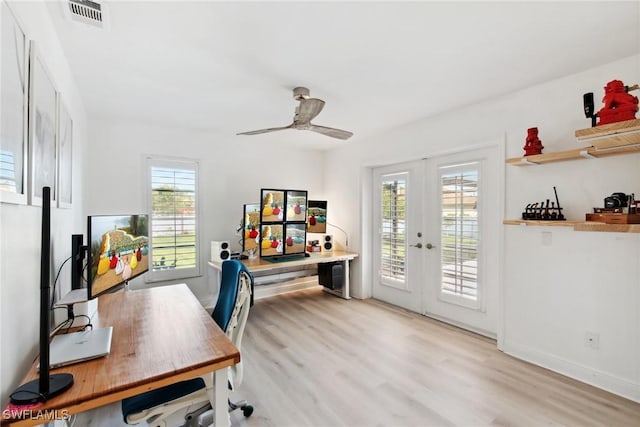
x: 586, y: 155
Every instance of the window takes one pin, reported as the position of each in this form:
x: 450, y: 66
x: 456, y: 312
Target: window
x: 460, y: 232
x: 393, y: 239
x: 173, y: 202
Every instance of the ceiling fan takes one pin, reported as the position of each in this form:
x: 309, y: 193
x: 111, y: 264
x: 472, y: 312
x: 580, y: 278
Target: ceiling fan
x: 306, y: 111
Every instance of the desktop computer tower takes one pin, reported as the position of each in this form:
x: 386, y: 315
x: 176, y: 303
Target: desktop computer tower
x: 331, y: 275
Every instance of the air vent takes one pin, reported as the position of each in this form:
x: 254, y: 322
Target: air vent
x: 87, y: 12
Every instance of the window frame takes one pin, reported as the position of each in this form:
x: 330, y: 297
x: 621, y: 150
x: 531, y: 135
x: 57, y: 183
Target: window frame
x: 174, y: 163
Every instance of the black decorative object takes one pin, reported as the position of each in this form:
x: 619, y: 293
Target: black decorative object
x: 544, y: 211
x: 589, y: 108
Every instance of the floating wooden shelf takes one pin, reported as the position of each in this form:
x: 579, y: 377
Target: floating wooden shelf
x: 578, y: 225
x: 612, y: 135
x: 606, y: 140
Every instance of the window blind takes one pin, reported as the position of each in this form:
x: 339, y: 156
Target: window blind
x: 174, y: 220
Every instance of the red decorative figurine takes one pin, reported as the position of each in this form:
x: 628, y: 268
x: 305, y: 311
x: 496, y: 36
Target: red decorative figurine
x: 533, y: 145
x: 619, y: 105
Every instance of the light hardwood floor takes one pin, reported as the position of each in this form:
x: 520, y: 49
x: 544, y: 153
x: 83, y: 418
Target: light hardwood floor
x: 312, y: 359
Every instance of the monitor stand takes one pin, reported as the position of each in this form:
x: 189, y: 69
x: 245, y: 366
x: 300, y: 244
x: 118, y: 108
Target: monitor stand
x: 29, y: 393
x: 73, y: 297
x: 78, y: 307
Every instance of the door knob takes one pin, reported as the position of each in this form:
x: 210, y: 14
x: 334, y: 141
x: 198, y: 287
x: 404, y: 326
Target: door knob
x: 430, y: 246
x: 417, y: 245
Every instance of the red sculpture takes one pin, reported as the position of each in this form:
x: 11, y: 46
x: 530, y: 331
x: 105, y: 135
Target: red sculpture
x: 533, y: 145
x: 618, y: 104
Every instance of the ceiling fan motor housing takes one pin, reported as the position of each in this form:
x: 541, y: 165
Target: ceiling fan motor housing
x: 300, y: 93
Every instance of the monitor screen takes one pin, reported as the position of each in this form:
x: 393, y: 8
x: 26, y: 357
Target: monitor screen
x: 251, y: 226
x: 295, y: 235
x: 118, y: 251
x: 296, y: 206
x: 272, y: 206
x: 317, y: 216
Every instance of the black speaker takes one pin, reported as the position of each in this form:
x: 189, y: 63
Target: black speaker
x: 327, y: 245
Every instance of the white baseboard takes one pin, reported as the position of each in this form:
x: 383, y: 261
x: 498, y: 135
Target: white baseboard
x: 586, y: 374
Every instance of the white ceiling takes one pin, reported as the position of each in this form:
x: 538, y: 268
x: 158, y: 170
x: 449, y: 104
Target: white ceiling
x: 227, y: 67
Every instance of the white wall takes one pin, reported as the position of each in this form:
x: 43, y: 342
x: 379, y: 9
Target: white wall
x: 20, y: 224
x: 552, y: 295
x: 232, y: 172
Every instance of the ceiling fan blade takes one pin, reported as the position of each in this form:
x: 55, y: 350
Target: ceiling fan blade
x: 332, y: 132
x: 257, y: 132
x: 307, y: 110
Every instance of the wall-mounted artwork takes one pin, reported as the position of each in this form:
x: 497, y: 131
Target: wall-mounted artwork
x: 42, y: 129
x: 317, y: 216
x: 65, y: 138
x: 13, y: 109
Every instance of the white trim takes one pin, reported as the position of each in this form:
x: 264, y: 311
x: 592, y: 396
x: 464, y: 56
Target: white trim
x: 604, y: 380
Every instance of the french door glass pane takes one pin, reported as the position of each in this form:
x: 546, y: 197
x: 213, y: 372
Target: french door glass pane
x: 392, y: 234
x: 460, y: 231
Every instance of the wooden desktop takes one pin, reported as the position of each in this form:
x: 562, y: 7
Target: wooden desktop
x: 161, y: 335
x: 259, y: 264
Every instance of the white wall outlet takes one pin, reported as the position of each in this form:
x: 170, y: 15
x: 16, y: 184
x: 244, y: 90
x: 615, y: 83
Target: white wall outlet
x: 592, y: 340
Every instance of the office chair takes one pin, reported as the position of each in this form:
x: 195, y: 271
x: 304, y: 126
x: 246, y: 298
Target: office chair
x: 186, y: 402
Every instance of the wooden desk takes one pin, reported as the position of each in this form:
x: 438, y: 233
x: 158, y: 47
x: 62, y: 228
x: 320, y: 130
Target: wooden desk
x: 258, y: 264
x: 160, y: 336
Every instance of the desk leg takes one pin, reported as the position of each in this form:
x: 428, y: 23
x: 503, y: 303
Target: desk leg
x: 220, y: 398
x: 345, y: 269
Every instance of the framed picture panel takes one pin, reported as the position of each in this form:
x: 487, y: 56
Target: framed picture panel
x: 65, y: 144
x: 42, y: 129
x: 14, y: 82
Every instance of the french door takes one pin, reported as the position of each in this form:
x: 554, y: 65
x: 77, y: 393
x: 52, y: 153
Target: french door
x: 398, y: 264
x: 437, y: 244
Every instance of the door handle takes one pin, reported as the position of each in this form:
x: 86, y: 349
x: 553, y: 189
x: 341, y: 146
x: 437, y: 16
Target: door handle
x: 430, y: 246
x: 417, y: 245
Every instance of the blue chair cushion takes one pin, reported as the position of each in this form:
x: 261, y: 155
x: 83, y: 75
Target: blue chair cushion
x: 153, y: 398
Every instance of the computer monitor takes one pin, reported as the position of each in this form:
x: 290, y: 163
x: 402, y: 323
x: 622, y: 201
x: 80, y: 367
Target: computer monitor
x: 251, y: 227
x: 317, y: 216
x: 118, y: 251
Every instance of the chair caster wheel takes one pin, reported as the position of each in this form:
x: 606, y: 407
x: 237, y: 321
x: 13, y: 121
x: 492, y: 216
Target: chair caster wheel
x: 247, y: 411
